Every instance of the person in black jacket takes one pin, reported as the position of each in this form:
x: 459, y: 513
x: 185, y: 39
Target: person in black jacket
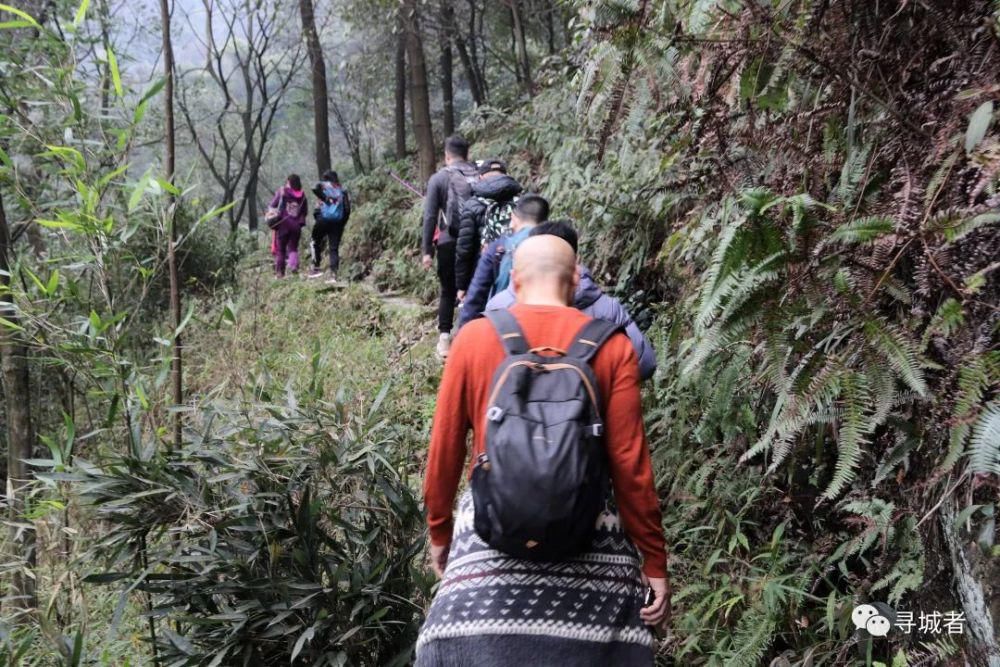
x: 495, y: 188
x: 328, y: 230
x: 440, y: 216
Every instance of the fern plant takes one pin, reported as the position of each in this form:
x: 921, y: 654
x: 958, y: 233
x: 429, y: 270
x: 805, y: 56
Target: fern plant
x: 984, y: 445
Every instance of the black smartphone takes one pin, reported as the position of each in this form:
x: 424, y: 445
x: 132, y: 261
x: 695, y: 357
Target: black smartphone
x: 650, y: 597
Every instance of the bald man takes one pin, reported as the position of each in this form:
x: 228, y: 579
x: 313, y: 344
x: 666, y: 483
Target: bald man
x: 495, y: 609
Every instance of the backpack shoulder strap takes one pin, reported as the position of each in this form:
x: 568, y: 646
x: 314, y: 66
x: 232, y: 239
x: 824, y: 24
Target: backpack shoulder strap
x: 509, y: 331
x: 594, y: 334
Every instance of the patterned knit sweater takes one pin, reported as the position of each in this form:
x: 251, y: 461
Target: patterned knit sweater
x: 493, y: 610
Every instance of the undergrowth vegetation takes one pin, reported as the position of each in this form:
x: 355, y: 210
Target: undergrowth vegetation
x: 822, y: 269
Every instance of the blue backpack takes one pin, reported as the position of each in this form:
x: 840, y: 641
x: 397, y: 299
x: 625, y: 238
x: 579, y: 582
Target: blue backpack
x: 505, y: 251
x: 331, y: 209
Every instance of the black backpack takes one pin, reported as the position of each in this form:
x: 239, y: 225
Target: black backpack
x: 543, y: 480
x: 460, y: 181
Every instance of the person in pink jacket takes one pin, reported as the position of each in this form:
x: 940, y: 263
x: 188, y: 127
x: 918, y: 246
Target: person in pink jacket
x: 290, y: 200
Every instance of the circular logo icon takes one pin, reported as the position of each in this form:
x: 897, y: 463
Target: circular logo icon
x: 878, y: 626
x: 862, y: 614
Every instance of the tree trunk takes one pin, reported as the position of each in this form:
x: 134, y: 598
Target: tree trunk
x: 420, y: 109
x: 447, y: 89
x: 471, y: 73
x: 550, y: 25
x: 477, y: 38
x: 521, y: 47
x: 400, y: 111
x: 982, y: 636
x: 20, y: 430
x: 176, y: 375
x: 321, y: 114
x: 106, y: 71
x: 250, y: 193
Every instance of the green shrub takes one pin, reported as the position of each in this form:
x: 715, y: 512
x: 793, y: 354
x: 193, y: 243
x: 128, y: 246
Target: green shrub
x: 267, y: 539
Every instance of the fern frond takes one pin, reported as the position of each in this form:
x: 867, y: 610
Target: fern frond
x: 792, y: 413
x: 899, y: 351
x: 908, y: 570
x: 883, y: 388
x: 722, y: 255
x: 753, y: 636
x: 735, y: 290
x: 938, y: 179
x: 777, y: 351
x: 854, y: 430
x: 966, y: 227
x: 715, y: 338
x: 973, y: 379
x: 984, y: 446
x: 851, y: 175
x: 877, y: 514
x: 863, y: 230
x: 949, y: 317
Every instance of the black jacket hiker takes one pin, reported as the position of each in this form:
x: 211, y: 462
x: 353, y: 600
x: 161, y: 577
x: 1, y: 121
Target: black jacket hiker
x: 501, y: 189
x: 436, y: 207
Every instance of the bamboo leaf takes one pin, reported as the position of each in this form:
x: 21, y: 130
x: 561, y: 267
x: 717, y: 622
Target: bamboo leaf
x: 59, y: 224
x: 10, y: 325
x: 215, y: 212
x: 17, y: 12
x: 301, y: 642
x: 979, y: 123
x: 965, y: 515
x: 137, y: 192
x: 116, y: 77
x: 81, y: 12
x: 187, y: 318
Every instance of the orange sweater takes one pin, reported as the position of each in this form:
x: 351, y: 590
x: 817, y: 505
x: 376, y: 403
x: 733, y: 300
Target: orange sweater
x: 461, y: 405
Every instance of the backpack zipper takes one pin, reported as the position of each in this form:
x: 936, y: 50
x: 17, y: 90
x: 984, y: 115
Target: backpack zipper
x: 557, y: 366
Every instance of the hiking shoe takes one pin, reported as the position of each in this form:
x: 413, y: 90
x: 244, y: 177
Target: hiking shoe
x: 315, y: 273
x: 332, y: 280
x: 444, y: 345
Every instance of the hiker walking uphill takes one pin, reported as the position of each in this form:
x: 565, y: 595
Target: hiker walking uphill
x: 493, y: 268
x: 446, y: 190
x: 589, y: 298
x: 483, y: 218
x: 287, y: 216
x: 537, y: 566
x: 333, y: 210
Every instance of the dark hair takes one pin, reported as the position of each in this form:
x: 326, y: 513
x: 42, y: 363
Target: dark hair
x: 561, y: 228
x: 533, y: 208
x: 295, y: 181
x: 331, y: 176
x: 457, y: 145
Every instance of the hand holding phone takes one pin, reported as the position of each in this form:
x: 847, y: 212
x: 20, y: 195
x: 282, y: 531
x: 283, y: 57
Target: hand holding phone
x: 656, y: 602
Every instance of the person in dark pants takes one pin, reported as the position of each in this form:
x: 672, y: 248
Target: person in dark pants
x: 446, y: 190
x: 331, y: 215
